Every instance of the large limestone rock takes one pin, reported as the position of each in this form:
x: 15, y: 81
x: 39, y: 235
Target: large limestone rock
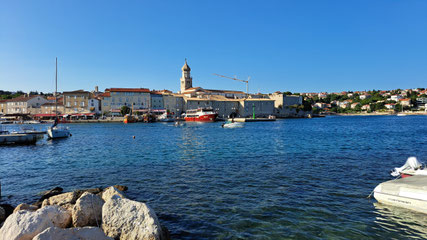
x: 24, y: 206
x: 110, y: 192
x: 87, y: 211
x: 65, y: 200
x: 86, y: 233
x: 48, y: 194
x: 24, y: 225
x: 126, y: 219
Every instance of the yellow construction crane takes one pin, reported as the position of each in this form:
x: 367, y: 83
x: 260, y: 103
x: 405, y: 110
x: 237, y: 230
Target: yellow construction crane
x: 233, y: 78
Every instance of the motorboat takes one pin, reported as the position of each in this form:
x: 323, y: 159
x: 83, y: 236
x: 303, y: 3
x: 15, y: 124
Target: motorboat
x: 411, y: 167
x: 165, y: 117
x: 408, y: 190
x: 200, y: 115
x: 129, y: 119
x: 232, y: 124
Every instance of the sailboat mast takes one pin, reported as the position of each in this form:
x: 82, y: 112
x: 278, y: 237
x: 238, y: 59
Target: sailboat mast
x: 56, y: 87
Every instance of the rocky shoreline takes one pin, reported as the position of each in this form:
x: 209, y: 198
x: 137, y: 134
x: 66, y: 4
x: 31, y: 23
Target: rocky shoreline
x: 89, y: 214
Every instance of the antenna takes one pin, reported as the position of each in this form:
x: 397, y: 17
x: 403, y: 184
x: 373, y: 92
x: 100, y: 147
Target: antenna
x: 236, y: 79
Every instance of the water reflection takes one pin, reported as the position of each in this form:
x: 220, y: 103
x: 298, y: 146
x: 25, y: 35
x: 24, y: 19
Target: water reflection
x: 396, y: 219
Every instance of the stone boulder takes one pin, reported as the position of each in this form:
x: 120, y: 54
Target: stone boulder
x: 24, y: 225
x: 87, y: 211
x: 8, y: 209
x: 126, y: 219
x: 65, y: 200
x: 121, y: 188
x: 110, y: 192
x: 48, y: 194
x: 24, y: 206
x: 86, y: 233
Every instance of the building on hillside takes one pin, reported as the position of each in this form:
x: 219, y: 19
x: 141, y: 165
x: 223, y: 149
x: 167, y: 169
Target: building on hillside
x: 405, y: 102
x: 353, y: 105
x: 390, y: 106
x: 76, y: 101
x: 395, y: 97
x: 366, y: 107
x: 25, y: 104
x: 364, y: 96
x: 113, y: 99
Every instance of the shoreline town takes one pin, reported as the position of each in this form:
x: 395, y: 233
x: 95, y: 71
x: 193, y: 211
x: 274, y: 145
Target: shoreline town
x: 114, y: 103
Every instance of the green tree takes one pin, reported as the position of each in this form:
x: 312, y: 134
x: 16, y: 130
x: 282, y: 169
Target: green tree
x: 125, y: 110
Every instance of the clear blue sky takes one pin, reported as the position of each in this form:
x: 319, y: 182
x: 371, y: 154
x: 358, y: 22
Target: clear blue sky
x: 298, y: 46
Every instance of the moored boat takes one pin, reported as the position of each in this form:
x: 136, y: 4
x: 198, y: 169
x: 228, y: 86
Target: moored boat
x: 129, y: 119
x: 200, y: 115
x: 409, y: 191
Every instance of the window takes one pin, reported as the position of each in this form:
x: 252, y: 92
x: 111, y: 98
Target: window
x: 82, y: 104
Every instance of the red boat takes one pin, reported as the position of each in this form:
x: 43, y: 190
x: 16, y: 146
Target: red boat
x: 200, y: 115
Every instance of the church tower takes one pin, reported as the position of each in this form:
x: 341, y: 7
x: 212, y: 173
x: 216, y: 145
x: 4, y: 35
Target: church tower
x: 186, y: 79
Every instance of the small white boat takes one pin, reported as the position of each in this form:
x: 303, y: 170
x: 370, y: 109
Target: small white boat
x: 55, y: 131
x: 232, y: 125
x: 401, y: 115
x: 409, y: 191
x: 165, y: 117
x: 58, y: 132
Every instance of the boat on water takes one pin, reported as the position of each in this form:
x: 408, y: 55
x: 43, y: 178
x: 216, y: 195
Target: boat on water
x: 232, y: 124
x: 200, y: 115
x: 401, y: 115
x: 165, y: 117
x: 56, y: 131
x: 129, y: 119
x: 409, y: 190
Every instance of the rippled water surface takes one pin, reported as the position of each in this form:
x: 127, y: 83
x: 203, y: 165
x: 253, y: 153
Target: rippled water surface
x: 293, y: 178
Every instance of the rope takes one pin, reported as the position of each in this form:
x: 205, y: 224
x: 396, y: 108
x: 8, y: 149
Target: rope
x: 369, y: 196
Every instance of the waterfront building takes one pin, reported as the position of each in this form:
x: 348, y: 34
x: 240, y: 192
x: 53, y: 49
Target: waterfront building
x: 76, y: 101
x: 25, y: 104
x: 259, y: 107
x: 3, y: 108
x: 173, y: 103
x: 113, y: 99
x: 156, y: 99
x: 282, y: 103
x: 353, y: 105
x: 366, y: 107
x: 49, y: 108
x: 94, y: 105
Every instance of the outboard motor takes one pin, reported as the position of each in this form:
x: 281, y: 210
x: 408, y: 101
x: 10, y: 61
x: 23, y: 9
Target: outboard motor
x: 411, y: 164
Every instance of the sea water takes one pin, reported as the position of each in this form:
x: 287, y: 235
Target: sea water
x: 288, y: 179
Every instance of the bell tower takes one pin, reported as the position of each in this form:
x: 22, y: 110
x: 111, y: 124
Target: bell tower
x: 186, y: 79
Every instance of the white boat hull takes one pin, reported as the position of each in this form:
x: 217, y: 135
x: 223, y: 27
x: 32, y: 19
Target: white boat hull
x: 410, y: 193
x: 233, y: 125
x: 53, y: 133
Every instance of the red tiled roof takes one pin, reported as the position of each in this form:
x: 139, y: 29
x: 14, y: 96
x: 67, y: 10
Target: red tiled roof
x: 405, y: 99
x: 22, y: 98
x: 146, y: 90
